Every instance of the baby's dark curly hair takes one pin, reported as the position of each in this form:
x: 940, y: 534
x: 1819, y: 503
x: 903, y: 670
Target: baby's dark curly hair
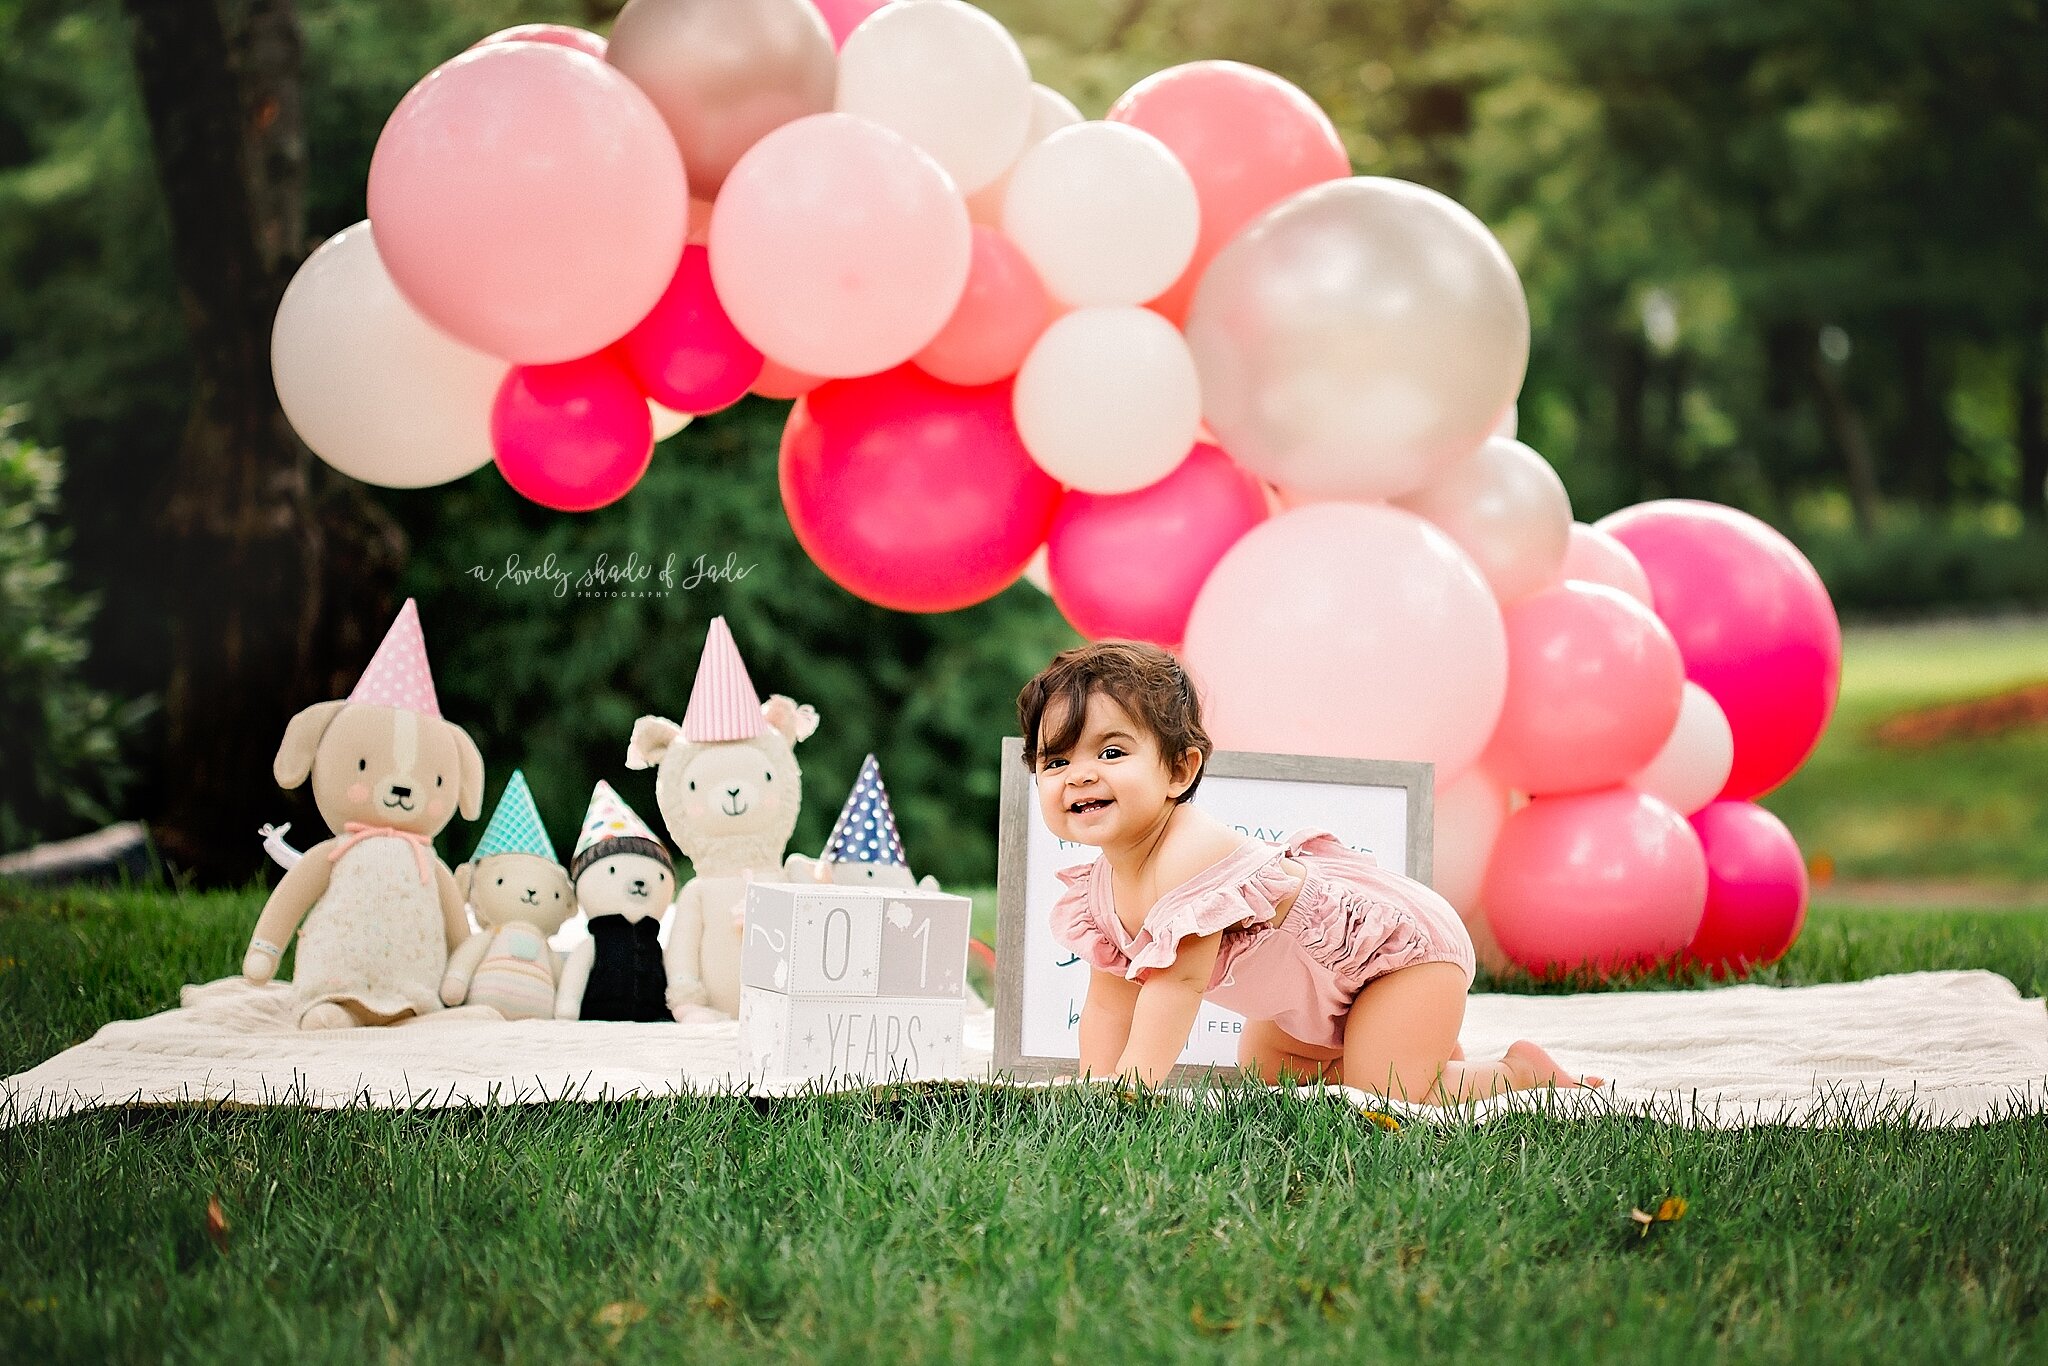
x: 1144, y: 680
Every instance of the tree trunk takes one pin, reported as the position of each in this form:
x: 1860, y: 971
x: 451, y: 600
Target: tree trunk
x: 1631, y: 384
x: 1923, y: 446
x: 272, y: 573
x: 1846, y: 428
x: 2030, y: 416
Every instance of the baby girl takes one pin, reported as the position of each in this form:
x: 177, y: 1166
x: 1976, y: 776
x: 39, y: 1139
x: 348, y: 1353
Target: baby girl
x: 1344, y: 972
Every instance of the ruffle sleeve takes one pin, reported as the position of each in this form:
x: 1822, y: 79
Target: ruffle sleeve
x: 1244, y: 898
x: 1076, y: 926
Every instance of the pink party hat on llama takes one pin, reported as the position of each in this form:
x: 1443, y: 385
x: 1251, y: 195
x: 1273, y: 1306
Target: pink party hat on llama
x: 723, y: 703
x: 398, y: 675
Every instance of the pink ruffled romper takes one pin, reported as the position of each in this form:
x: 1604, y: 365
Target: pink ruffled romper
x: 1352, y: 921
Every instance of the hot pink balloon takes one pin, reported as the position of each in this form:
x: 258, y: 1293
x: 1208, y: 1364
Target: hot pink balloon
x: 1594, y: 687
x: 777, y: 380
x: 1608, y: 879
x: 686, y: 354
x: 1756, y: 889
x: 1248, y: 138
x: 911, y: 493
x: 1753, y: 622
x: 844, y: 16
x: 1593, y: 556
x: 1129, y: 565
x: 1349, y: 629
x: 528, y: 200
x: 1001, y: 312
x: 561, y: 35
x: 838, y: 246
x: 573, y: 436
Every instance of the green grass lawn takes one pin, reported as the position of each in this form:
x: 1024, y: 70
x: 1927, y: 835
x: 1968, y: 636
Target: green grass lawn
x: 1974, y: 810
x: 934, y: 1224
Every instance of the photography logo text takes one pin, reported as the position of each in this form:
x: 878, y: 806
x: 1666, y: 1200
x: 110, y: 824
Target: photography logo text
x: 635, y: 576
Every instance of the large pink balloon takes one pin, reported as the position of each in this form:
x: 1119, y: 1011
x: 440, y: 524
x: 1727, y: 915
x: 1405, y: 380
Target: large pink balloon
x: 914, y: 494
x: 1248, y: 138
x: 1756, y: 889
x: 1128, y: 565
x: 1753, y: 622
x: 1594, y: 687
x: 528, y: 200
x: 838, y: 247
x: 1000, y: 313
x: 1608, y: 879
x: 573, y: 436
x: 686, y: 354
x: 1349, y: 629
x: 562, y: 35
x: 1596, y: 557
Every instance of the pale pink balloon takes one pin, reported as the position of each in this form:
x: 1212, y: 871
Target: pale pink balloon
x: 1596, y: 557
x: 1001, y: 312
x: 1248, y: 138
x: 1694, y: 762
x: 1506, y: 508
x: 685, y: 354
x: 1594, y: 685
x: 839, y: 248
x: 573, y: 436
x: 777, y: 380
x: 561, y: 35
x: 528, y: 200
x: 1609, y: 880
x: 844, y: 16
x: 1349, y: 629
x: 1756, y: 889
x: 1754, y: 623
x: 1469, y: 812
x: 1129, y: 565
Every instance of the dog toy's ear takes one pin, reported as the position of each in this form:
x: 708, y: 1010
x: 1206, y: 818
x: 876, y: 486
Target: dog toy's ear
x: 652, y: 735
x: 462, y: 879
x: 471, y: 801
x: 795, y: 720
x: 294, y: 761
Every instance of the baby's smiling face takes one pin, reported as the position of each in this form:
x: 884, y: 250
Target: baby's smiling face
x: 1114, y: 784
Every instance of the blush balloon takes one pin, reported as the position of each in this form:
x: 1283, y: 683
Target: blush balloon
x: 1694, y: 762
x: 914, y: 494
x: 573, y: 436
x: 1756, y: 889
x: 1506, y: 508
x: 1753, y: 622
x: 1594, y: 687
x: 561, y: 35
x: 1608, y: 880
x: 1000, y: 314
x: 686, y: 354
x: 1129, y: 565
x: 1593, y: 556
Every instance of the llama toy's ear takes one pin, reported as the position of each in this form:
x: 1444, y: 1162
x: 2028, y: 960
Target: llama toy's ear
x: 796, y: 721
x: 301, y: 742
x: 652, y: 735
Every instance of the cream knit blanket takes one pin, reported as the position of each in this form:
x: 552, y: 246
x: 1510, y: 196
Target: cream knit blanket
x: 1947, y: 1048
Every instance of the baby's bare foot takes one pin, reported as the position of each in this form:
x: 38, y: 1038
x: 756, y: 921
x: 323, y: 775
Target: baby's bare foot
x: 1529, y: 1067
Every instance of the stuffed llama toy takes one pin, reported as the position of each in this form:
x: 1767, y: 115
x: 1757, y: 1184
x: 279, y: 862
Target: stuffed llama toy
x: 730, y: 789
x: 520, y: 894
x: 376, y: 912
x: 864, y: 849
x: 624, y: 881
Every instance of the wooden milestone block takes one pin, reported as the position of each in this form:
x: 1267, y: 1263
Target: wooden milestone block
x: 817, y: 939
x: 850, y: 1038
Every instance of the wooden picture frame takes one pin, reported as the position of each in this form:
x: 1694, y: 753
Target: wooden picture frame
x: 1385, y: 806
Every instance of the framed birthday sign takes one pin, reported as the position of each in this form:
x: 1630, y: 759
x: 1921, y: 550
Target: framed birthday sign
x: 1380, y: 807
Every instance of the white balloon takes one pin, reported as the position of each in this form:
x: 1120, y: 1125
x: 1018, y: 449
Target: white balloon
x: 1050, y: 112
x: 1107, y: 401
x: 1039, y: 572
x: 1105, y: 213
x: 1509, y: 510
x: 1693, y: 766
x: 1470, y: 811
x: 373, y: 388
x: 1509, y: 421
x: 948, y: 77
x: 667, y: 421
x: 1595, y: 556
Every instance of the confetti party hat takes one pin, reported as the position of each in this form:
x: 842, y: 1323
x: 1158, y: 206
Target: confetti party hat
x: 610, y: 827
x: 866, y: 829
x: 398, y: 675
x: 723, y: 703
x: 515, y: 826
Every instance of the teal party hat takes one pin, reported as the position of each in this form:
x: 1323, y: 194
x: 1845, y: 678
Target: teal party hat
x: 515, y: 826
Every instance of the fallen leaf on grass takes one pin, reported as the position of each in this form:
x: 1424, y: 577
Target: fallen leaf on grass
x: 1204, y: 1324
x: 1387, y: 1122
x: 1669, y: 1211
x: 619, y: 1316
x: 216, y: 1223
